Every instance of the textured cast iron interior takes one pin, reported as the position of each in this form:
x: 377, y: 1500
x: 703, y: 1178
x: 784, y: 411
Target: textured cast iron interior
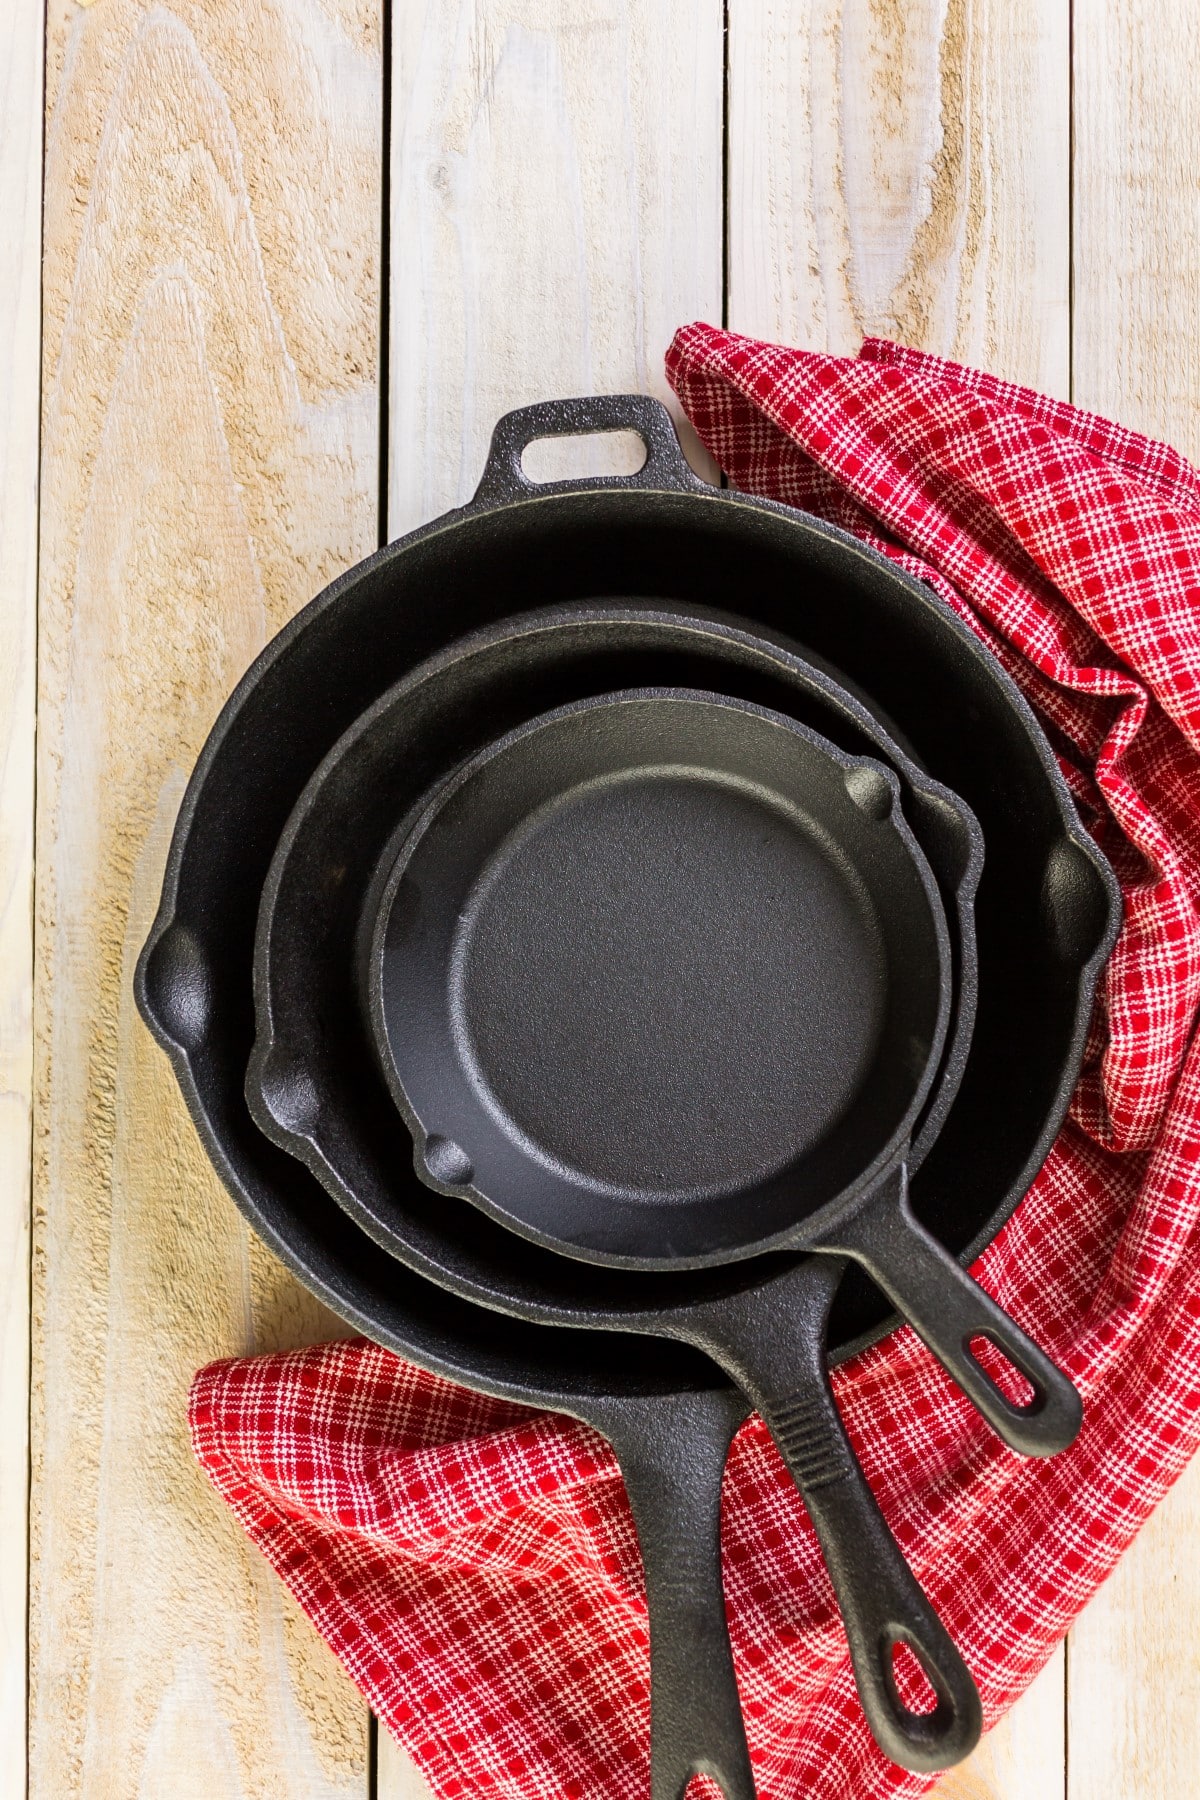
x: 657, y: 975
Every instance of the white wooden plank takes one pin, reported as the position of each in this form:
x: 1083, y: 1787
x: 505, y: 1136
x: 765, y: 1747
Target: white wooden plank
x: 1136, y: 352
x: 1134, y: 1715
x: 1023, y: 1757
x: 556, y: 213
x: 1133, y: 1722
x: 213, y: 191
x: 901, y: 167
x: 397, y: 1776
x: 20, y: 234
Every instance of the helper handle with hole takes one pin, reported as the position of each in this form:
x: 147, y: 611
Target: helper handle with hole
x: 771, y: 1339
x: 947, y: 1310
x: 665, y: 467
x: 672, y: 1450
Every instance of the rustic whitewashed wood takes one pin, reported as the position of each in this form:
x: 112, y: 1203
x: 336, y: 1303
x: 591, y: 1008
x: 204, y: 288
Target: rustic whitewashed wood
x: 901, y: 167
x: 213, y: 180
x: 1133, y: 1721
x: 556, y: 213
x: 1136, y: 350
x: 1134, y: 1715
x: 396, y: 1776
x: 1023, y: 1757
x: 20, y: 237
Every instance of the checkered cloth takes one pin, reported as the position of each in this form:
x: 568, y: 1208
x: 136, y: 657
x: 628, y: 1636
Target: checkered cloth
x: 474, y: 1566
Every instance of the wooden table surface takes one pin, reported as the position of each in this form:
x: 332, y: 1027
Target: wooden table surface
x: 296, y: 260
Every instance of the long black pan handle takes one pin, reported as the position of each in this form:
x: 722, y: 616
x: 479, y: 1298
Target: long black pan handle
x: 665, y: 466
x: 949, y: 1311
x: 672, y: 1451
x: 771, y: 1339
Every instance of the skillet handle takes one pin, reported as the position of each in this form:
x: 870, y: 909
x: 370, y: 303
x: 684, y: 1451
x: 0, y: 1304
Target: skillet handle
x: 948, y: 1310
x: 665, y: 466
x: 672, y: 1449
x: 771, y: 1340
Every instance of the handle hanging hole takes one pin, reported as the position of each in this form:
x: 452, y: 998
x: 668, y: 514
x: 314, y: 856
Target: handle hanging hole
x: 913, y: 1686
x: 584, y: 453
x: 1015, y: 1386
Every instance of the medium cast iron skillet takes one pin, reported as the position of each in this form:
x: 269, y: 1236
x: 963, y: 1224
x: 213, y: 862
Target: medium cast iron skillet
x: 309, y: 1092
x: 664, y: 532
x: 659, y: 981
x: 335, y: 870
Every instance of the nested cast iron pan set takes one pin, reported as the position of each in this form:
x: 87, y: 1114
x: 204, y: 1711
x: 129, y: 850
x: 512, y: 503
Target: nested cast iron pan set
x: 622, y: 945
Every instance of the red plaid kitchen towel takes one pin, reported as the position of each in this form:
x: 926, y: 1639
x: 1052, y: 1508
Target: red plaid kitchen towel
x: 474, y: 1566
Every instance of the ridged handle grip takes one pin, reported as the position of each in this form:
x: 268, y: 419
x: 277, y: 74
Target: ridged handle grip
x: 771, y: 1340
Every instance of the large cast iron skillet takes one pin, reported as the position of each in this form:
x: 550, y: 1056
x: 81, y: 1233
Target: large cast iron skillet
x: 660, y: 532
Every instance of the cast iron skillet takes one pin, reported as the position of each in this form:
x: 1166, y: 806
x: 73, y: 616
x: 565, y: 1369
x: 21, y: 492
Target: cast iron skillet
x: 657, y: 971
x: 664, y: 532
x: 355, y: 797
x: 311, y: 1088
x: 733, y: 776
x: 661, y: 531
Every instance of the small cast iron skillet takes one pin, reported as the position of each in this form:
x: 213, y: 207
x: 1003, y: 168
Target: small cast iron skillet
x: 846, y: 943
x: 655, y: 972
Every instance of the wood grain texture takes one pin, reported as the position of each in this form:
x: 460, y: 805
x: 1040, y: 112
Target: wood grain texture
x: 1133, y: 1720
x: 1134, y: 1691
x: 556, y: 213
x: 901, y: 167
x: 1023, y: 1758
x: 20, y: 235
x: 210, y: 431
x: 1136, y: 349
